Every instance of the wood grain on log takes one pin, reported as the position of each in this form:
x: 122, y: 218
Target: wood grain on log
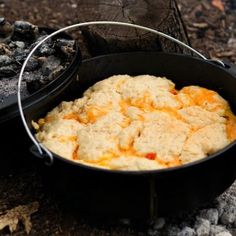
x: 162, y: 15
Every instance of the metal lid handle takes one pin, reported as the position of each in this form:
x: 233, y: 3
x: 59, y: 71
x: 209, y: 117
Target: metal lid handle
x: 39, y: 146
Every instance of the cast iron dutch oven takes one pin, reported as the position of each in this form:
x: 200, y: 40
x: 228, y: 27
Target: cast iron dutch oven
x: 100, y: 192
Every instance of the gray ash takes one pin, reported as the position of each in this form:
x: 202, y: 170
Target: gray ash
x: 49, y: 60
x: 216, y: 219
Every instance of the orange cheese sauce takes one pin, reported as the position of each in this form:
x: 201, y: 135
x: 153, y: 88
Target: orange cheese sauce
x: 198, y: 97
x: 195, y: 96
x: 203, y: 96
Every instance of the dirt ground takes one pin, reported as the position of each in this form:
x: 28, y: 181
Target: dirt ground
x: 211, y: 30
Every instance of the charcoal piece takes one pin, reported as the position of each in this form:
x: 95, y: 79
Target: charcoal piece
x: 25, y: 30
x: 33, y: 86
x: 46, y: 50
x: 66, y: 47
x: 7, y: 71
x: 50, y: 65
x: 6, y: 30
x: 48, y: 42
x: 41, y: 60
x: 17, y: 44
x: 32, y: 64
x: 55, y: 72
x: 33, y: 81
x: 20, y: 54
x: 5, y: 60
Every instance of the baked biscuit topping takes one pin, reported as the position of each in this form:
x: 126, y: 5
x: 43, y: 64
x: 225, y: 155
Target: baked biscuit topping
x: 138, y: 123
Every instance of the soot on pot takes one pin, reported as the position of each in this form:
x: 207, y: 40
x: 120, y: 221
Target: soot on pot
x: 49, y: 60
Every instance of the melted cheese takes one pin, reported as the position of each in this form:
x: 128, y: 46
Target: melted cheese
x: 138, y: 123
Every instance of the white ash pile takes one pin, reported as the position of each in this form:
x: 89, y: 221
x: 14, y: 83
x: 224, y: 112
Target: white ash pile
x: 217, y: 220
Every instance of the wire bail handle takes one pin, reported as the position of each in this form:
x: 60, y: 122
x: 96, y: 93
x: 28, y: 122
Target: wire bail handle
x: 40, y: 146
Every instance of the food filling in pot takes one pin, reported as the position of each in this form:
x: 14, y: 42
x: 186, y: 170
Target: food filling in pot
x: 138, y: 123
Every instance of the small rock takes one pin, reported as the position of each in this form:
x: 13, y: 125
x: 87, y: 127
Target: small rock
x: 20, y: 44
x: 50, y: 64
x: 220, y: 207
x: 65, y: 46
x: 224, y: 234
x: 25, y: 30
x: 187, y: 231
x: 229, y: 215
x: 215, y: 229
x: 210, y: 214
x: 159, y: 223
x: 5, y: 60
x: 202, y: 227
x: 17, y: 44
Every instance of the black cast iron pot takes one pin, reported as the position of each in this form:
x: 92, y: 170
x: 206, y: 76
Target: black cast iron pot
x: 99, y: 192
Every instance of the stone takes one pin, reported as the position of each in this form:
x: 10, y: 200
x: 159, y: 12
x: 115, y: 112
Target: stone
x: 224, y: 234
x: 228, y: 215
x: 202, y: 227
x: 215, y: 229
x: 25, y: 30
x: 211, y: 214
x: 65, y: 46
x: 187, y: 231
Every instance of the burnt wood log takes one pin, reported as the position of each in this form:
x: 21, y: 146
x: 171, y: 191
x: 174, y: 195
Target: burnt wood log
x: 162, y: 15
